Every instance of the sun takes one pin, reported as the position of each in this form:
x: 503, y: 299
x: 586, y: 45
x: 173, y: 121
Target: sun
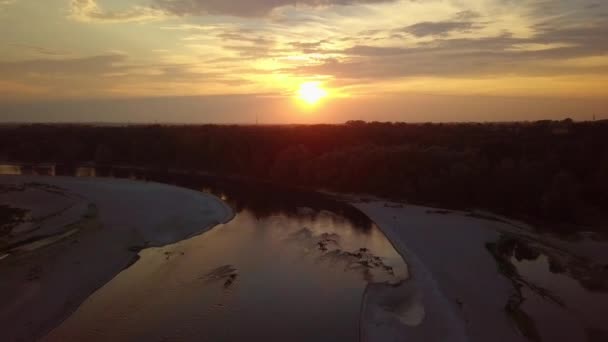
x: 311, y: 92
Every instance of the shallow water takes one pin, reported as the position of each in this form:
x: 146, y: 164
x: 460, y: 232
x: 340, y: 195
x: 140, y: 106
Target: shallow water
x: 565, y: 294
x: 250, y: 279
x: 290, y: 266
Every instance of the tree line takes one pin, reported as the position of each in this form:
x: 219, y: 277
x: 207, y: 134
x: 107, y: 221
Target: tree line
x: 552, y: 171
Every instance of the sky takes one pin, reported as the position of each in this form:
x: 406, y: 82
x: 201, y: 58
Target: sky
x: 238, y: 61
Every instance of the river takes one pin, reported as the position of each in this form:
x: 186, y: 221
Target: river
x: 291, y: 266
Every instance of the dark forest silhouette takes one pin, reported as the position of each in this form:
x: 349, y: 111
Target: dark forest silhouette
x: 549, y: 171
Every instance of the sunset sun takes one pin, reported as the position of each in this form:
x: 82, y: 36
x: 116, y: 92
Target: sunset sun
x: 311, y: 92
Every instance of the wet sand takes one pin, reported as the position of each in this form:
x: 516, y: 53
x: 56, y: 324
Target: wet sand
x: 78, y: 234
x: 483, y: 278
x: 270, y: 278
x: 470, y: 276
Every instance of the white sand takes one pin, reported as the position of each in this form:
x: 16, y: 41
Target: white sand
x: 455, y: 283
x: 39, y: 289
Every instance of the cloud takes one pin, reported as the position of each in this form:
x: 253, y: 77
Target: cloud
x: 111, y: 65
x: 40, y: 50
x: 90, y: 11
x: 440, y: 28
x: 334, y: 40
x: 110, y: 74
x: 462, y: 22
x: 245, y: 8
x: 66, y: 66
x: 504, y: 54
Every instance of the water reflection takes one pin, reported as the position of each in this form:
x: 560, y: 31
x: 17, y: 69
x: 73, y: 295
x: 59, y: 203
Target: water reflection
x: 256, y: 279
x: 262, y: 199
x: 566, y: 294
x: 10, y: 170
x: 38, y: 169
x: 292, y: 265
x: 85, y: 172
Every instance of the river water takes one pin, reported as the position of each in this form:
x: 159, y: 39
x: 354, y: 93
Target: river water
x: 296, y: 266
x: 290, y: 266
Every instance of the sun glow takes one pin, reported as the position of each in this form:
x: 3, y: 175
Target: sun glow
x: 311, y: 92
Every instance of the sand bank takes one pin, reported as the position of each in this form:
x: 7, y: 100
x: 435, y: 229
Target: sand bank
x: 455, y: 289
x: 61, y: 249
x: 479, y: 277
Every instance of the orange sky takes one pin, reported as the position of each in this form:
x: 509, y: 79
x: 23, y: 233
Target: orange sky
x: 385, y: 60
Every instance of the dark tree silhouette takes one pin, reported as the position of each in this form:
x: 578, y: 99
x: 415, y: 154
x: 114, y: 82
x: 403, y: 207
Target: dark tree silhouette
x: 549, y: 170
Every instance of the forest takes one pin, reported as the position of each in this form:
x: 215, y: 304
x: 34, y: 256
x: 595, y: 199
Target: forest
x: 551, y: 173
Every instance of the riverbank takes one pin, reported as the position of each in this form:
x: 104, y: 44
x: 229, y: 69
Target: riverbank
x: 90, y: 229
x: 482, y: 278
x: 472, y: 276
x: 593, y: 220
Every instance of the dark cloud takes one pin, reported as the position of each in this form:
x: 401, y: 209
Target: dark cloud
x: 364, y: 50
x: 40, y: 49
x: 244, y: 8
x: 439, y: 28
x: 309, y: 47
x: 463, y: 21
x: 475, y: 57
x: 250, y: 51
x: 69, y: 66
